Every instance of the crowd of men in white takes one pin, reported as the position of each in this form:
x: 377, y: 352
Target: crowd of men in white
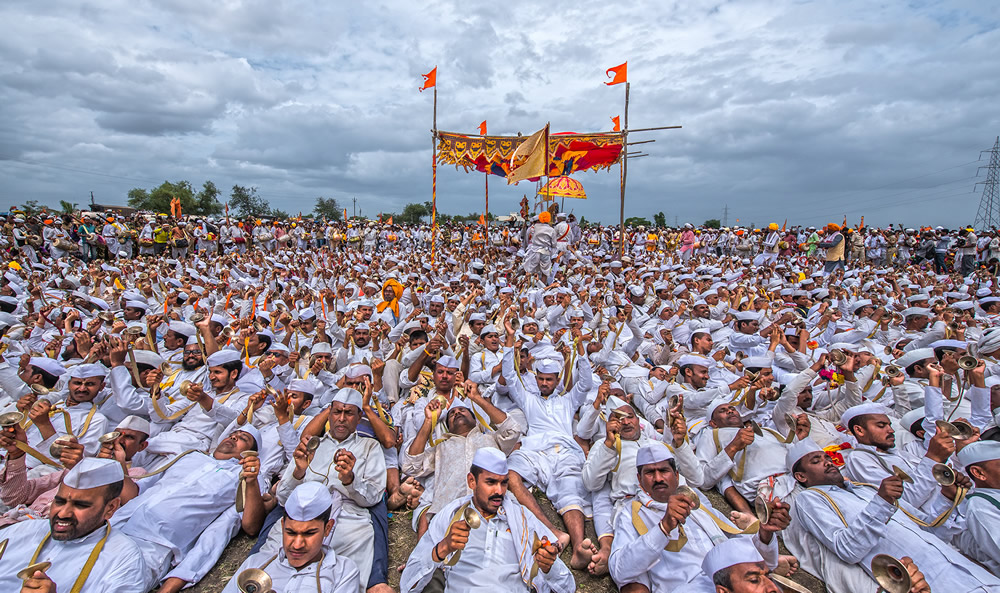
x: 153, y: 409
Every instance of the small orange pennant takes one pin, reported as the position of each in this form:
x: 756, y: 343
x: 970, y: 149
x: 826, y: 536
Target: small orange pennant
x: 430, y: 79
x: 482, y: 128
x: 617, y: 120
x: 621, y: 74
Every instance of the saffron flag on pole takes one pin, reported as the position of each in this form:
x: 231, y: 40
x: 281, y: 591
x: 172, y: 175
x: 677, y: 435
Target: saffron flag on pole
x: 430, y: 79
x: 389, y: 221
x: 482, y: 128
x: 345, y: 213
x: 531, y: 158
x: 621, y: 74
x: 482, y: 219
x: 618, y: 123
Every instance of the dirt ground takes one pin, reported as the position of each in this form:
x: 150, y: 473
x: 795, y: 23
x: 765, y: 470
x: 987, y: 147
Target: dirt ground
x: 402, y: 539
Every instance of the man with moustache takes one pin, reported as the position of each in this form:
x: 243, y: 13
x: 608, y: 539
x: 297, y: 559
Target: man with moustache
x: 87, y: 555
x: 182, y: 518
x: 663, y: 538
x: 306, y: 562
x: 511, y: 550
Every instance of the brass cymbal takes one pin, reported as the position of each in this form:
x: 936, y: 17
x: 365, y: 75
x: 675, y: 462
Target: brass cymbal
x: 898, y: 471
x: 109, y: 437
x: 944, y: 475
x: 28, y: 571
x: 689, y: 493
x: 57, y: 446
x: 472, y: 517
x: 890, y: 574
x: 10, y: 419
x: 253, y: 580
x: 762, y: 509
x: 312, y: 444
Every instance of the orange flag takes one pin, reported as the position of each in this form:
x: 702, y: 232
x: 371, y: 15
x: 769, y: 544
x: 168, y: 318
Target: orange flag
x: 844, y: 225
x: 345, y: 213
x: 482, y: 128
x: 482, y: 219
x: 389, y: 221
x: 618, y: 123
x: 621, y: 74
x: 783, y: 225
x: 430, y: 79
x: 862, y: 225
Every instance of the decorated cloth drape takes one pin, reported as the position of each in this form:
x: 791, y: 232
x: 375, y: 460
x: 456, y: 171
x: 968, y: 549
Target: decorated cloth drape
x: 562, y: 187
x: 568, y: 152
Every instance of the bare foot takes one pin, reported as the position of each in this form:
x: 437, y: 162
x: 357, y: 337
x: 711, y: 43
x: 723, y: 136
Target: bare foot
x: 380, y: 588
x: 742, y: 520
x: 599, y: 560
x: 562, y: 538
x: 787, y: 566
x: 401, y: 567
x: 582, y: 555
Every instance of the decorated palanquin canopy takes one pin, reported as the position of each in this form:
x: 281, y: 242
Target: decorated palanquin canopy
x: 568, y: 152
x: 562, y: 187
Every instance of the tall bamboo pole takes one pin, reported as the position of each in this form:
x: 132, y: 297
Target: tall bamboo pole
x: 624, y: 170
x: 434, y: 177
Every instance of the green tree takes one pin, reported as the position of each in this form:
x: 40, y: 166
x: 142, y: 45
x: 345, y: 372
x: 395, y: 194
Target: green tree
x: 636, y: 221
x: 328, y: 208
x: 31, y: 207
x: 280, y: 214
x: 247, y: 203
x: 158, y: 199
x: 412, y: 213
x: 712, y: 223
x: 660, y: 219
x: 207, y: 201
x: 67, y: 207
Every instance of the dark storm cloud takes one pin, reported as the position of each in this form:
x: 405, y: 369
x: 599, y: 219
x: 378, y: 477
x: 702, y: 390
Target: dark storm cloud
x: 805, y: 110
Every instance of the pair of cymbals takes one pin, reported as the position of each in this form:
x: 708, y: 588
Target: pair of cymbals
x: 253, y: 580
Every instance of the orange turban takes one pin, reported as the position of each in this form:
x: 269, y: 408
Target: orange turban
x: 545, y: 217
x: 397, y: 290
x: 833, y: 227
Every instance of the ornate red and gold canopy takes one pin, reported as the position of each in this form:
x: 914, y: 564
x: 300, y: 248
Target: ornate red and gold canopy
x: 568, y: 152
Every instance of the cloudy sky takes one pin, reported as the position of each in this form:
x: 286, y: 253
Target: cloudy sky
x: 790, y: 109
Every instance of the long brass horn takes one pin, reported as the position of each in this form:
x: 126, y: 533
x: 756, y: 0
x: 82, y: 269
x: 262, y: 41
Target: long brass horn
x: 253, y: 580
x: 890, y: 574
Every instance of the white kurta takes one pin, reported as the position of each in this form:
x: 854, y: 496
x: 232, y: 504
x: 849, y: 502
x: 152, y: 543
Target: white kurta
x: 115, y: 571
x: 332, y: 574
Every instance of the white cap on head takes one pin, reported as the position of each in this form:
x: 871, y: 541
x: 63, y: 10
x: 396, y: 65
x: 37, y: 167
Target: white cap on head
x: 798, y: 450
x: 309, y: 500
x: 223, y: 357
x: 321, y: 348
x: 449, y: 362
x: 92, y: 472
x: 349, y: 396
x: 911, y: 417
x: 714, y: 405
x: 653, y: 452
x: 85, y: 371
x: 915, y: 355
x: 490, y: 459
x: 134, y: 423
x: 547, y: 365
x: 148, y: 358
x: 757, y: 362
x: 358, y: 370
x: 978, y: 452
x: 185, y: 329
x: 250, y: 430
x: 49, y: 365
x: 695, y: 359
x: 730, y: 552
x: 860, y: 410
x: 489, y: 329
x: 304, y: 385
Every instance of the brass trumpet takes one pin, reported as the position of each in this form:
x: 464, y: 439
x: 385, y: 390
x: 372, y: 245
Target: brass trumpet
x: 253, y: 580
x: 890, y: 574
x: 968, y: 362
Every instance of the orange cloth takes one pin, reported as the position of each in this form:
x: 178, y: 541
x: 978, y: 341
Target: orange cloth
x: 397, y: 291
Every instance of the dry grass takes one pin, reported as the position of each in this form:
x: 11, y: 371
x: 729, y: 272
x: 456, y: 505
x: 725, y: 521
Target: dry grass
x: 402, y: 540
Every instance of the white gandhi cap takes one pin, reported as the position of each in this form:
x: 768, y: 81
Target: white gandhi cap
x: 490, y: 459
x: 730, y: 552
x: 92, y: 472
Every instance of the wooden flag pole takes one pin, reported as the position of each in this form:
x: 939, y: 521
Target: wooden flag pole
x: 486, y: 216
x: 434, y: 177
x: 624, y: 170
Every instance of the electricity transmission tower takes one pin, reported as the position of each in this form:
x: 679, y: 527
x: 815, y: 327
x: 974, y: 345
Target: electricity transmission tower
x: 988, y: 216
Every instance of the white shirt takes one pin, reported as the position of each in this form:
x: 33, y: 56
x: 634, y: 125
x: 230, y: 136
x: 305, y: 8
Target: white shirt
x: 333, y: 573
x: 115, y: 571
